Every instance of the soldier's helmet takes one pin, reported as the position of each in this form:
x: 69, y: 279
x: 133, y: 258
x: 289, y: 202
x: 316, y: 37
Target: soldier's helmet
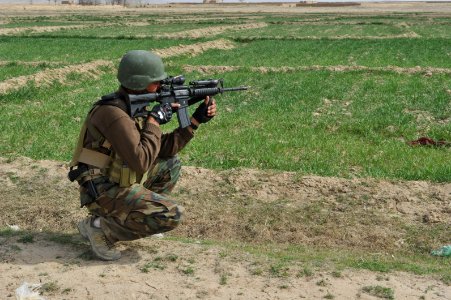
x: 139, y: 68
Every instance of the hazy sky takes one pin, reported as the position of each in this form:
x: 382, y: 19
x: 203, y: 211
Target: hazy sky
x: 200, y: 1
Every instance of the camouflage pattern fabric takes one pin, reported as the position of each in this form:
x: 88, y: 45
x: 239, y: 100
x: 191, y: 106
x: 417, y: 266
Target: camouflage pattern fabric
x: 140, y: 210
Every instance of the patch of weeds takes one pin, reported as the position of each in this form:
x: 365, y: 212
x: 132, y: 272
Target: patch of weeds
x: 63, y: 239
x: 336, y: 274
x: 43, y: 274
x: 382, y: 278
x: 49, y: 287
x: 222, y: 254
x: 15, y: 248
x: 8, y: 232
x: 171, y: 257
x: 102, y: 275
x: 187, y: 271
x: 446, y: 279
x: 256, y: 271
x: 87, y: 255
x: 26, y: 239
x: 223, y: 279
x: 156, y: 264
x: 278, y: 270
x: 66, y: 291
x: 13, y: 177
x: 379, y: 291
x: 322, y: 282
x: 43, y: 171
x: 283, y: 286
x: 329, y: 296
x: 191, y: 260
x: 305, y: 272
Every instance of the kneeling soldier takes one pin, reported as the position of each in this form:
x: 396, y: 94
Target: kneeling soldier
x: 125, y: 166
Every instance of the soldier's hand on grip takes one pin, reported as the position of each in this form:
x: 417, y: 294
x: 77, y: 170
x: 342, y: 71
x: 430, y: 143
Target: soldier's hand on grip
x: 205, y: 111
x: 162, y: 113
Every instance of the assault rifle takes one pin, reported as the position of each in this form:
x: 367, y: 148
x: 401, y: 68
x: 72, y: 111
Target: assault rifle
x: 173, y: 90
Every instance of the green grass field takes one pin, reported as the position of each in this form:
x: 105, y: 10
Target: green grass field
x: 323, y: 122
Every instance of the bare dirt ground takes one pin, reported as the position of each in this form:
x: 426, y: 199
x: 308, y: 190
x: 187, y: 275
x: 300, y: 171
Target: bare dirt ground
x: 222, y: 205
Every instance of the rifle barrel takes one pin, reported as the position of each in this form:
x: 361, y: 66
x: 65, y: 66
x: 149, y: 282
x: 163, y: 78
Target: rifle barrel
x: 239, y: 88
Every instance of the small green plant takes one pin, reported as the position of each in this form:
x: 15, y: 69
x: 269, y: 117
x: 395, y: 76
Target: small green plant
x: 61, y: 238
x: 223, y: 279
x: 49, y: 287
x: 87, y: 255
x: 187, y: 271
x: 7, y: 232
x: 66, y: 291
x: 13, y: 177
x: 382, y: 278
x: 156, y: 265
x: 329, y: 296
x: 15, y: 248
x: 278, y: 270
x: 305, y: 272
x: 256, y: 271
x: 171, y: 257
x: 379, y: 291
x: 283, y: 286
x: 26, y: 239
x: 321, y: 282
x: 336, y: 274
x: 446, y: 279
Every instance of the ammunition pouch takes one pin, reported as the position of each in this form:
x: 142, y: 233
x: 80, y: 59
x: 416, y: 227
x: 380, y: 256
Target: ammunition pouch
x: 88, y: 180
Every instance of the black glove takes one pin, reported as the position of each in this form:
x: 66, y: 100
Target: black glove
x: 200, y: 114
x: 162, y: 113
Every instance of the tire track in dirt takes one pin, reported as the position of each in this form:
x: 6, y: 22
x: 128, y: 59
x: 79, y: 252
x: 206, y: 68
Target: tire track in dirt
x: 427, y: 71
x: 47, y: 77
x: 210, y: 31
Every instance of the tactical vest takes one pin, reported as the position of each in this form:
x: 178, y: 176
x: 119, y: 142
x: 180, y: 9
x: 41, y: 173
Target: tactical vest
x: 100, y: 163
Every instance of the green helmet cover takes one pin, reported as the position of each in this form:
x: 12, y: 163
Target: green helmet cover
x: 139, y: 68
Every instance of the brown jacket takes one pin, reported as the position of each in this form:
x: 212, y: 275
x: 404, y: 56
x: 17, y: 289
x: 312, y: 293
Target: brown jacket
x: 138, y: 148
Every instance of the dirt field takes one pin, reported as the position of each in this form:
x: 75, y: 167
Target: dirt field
x: 165, y: 269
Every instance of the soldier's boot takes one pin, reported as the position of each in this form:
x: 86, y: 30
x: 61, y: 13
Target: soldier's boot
x: 100, y: 245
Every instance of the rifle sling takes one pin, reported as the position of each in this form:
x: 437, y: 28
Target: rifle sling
x: 94, y: 158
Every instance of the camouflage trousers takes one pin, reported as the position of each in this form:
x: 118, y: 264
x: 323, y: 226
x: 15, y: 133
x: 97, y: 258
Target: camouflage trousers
x: 140, y: 210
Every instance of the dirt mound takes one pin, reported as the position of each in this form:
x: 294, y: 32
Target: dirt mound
x: 256, y: 206
x: 47, y: 77
x: 210, y: 31
x: 426, y: 71
x: 195, y: 49
x: 241, y: 204
x: 37, y: 29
